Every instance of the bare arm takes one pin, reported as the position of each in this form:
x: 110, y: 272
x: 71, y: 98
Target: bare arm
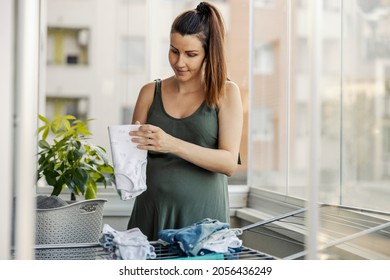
x: 145, y: 99
x: 223, y: 159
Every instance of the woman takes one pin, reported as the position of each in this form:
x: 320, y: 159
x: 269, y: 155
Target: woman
x: 192, y: 124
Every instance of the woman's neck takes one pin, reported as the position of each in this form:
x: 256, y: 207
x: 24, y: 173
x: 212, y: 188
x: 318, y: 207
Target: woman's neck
x: 187, y: 87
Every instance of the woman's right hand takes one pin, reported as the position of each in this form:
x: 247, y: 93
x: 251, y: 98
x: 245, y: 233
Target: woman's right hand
x: 152, y: 138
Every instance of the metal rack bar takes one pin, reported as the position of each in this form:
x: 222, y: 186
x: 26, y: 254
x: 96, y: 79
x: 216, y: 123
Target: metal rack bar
x: 274, y: 219
x: 341, y: 240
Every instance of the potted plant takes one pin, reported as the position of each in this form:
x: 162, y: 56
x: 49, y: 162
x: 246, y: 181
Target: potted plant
x: 70, y: 161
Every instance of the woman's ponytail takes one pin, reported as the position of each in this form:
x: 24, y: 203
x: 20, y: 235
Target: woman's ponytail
x: 215, y: 67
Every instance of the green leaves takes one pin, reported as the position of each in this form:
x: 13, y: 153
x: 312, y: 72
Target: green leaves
x: 70, y: 161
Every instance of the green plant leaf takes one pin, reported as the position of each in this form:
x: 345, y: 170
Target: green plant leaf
x: 70, y: 117
x: 77, y: 145
x: 90, y: 192
x: 83, y: 129
x: 89, y: 167
x: 74, y: 155
x: 106, y: 169
x: 67, y: 124
x: 80, y: 178
x: 56, y: 124
x: 101, y: 152
x: 43, y: 144
x: 41, y: 128
x: 57, y: 190
x: 42, y: 118
x: 68, y: 177
x: 45, y: 133
x: 51, y: 177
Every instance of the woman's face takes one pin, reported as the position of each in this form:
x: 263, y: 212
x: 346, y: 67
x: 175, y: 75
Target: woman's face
x: 186, y: 56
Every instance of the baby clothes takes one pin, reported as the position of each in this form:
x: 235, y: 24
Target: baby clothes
x: 223, y: 241
x: 126, y: 245
x: 129, y: 162
x: 207, y: 235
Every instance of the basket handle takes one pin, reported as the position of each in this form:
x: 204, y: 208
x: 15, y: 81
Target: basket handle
x: 88, y: 208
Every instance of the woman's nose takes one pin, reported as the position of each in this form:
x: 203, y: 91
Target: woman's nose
x: 180, y: 61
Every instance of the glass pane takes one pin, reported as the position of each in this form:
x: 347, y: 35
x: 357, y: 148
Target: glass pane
x: 366, y: 91
x: 299, y: 95
x: 327, y: 59
x: 268, y: 103
x: 281, y: 99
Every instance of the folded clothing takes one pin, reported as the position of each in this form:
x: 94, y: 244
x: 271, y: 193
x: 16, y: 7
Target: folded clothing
x: 205, y: 236
x: 126, y: 245
x: 129, y: 162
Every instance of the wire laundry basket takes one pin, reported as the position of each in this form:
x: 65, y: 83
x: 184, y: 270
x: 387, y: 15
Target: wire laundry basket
x: 77, y: 223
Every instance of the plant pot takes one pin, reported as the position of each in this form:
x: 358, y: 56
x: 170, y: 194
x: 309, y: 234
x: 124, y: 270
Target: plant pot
x: 62, y: 232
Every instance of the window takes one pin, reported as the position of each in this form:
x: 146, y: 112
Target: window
x: 331, y: 5
x: 67, y: 46
x: 264, y: 3
x: 77, y: 107
x: 132, y: 53
x: 264, y: 59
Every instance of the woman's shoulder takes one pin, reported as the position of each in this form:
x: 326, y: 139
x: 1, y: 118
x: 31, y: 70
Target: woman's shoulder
x: 232, y: 91
x: 146, y: 95
x: 231, y: 87
x: 232, y: 96
x: 148, y: 88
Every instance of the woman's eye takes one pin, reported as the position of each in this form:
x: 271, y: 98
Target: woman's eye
x: 192, y: 54
x: 174, y: 51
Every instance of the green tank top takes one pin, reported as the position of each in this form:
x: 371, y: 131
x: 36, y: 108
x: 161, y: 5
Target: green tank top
x: 180, y: 193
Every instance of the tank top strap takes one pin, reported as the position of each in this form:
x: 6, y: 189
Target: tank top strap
x: 157, y: 88
x: 156, y: 105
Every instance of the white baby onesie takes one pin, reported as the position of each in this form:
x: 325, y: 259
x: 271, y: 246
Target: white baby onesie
x: 129, y: 162
x: 222, y: 240
x: 131, y: 244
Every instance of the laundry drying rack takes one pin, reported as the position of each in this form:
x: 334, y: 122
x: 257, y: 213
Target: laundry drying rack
x: 94, y: 251
x: 370, y: 223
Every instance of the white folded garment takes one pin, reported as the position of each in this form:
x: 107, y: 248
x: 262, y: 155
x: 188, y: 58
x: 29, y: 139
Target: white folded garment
x: 220, y: 241
x: 131, y: 244
x: 129, y: 162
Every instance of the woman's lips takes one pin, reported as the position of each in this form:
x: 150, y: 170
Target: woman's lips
x: 181, y: 72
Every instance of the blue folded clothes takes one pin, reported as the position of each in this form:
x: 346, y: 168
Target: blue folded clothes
x: 204, y: 237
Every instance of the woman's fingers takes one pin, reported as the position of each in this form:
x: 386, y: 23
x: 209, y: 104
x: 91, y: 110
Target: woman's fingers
x: 150, y: 137
x: 144, y: 135
x: 148, y: 128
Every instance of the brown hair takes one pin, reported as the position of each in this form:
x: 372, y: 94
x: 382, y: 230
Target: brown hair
x: 207, y: 24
